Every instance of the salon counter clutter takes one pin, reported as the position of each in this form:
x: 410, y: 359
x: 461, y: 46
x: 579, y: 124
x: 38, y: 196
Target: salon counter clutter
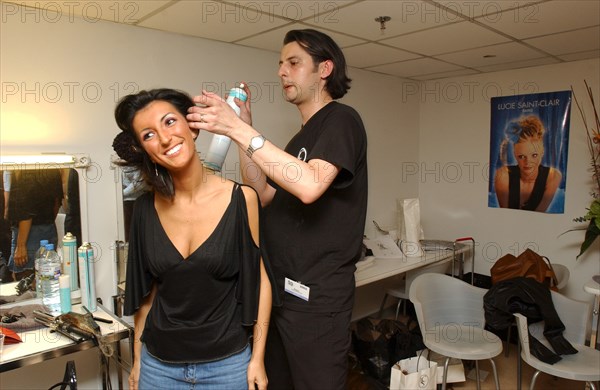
x: 40, y: 343
x: 391, y: 263
x: 388, y: 267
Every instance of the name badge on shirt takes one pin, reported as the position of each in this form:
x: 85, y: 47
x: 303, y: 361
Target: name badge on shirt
x: 297, y: 289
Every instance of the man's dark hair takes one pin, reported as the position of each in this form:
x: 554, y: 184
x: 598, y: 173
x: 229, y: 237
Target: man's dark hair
x: 321, y: 48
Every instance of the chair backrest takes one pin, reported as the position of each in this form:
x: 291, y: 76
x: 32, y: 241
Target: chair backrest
x: 562, y: 275
x: 523, y: 335
x: 443, y: 300
x: 575, y: 315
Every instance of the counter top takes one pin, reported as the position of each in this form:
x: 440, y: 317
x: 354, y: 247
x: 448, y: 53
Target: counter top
x: 378, y: 268
x: 42, y: 344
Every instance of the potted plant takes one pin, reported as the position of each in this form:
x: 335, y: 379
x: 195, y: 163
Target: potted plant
x: 592, y: 128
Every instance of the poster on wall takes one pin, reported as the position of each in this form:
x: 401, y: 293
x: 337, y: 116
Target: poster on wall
x: 528, y: 151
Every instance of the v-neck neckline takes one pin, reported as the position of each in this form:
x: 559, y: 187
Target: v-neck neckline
x: 210, y: 236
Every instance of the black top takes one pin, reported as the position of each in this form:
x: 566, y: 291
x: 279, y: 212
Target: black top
x: 514, y: 188
x: 203, y: 301
x: 319, y: 244
x: 35, y: 194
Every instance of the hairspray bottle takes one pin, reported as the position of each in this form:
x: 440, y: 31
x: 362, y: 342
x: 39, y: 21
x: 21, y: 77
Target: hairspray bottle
x: 217, y: 151
x: 69, y: 249
x: 64, y: 284
x: 85, y: 255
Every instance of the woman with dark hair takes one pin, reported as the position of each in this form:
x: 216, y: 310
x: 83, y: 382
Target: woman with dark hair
x: 197, y: 284
x: 529, y: 185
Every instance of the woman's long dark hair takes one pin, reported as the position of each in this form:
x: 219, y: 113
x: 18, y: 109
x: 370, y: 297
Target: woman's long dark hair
x: 126, y: 144
x: 322, y: 48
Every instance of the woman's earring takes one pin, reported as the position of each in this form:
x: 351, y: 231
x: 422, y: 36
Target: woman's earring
x: 155, y: 169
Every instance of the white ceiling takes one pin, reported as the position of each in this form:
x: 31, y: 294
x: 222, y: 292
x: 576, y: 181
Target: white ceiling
x: 424, y: 40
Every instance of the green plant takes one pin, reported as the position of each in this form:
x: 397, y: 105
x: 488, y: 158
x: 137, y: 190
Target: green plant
x: 592, y: 128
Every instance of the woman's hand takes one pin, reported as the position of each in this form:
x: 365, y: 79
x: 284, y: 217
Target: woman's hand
x: 257, y: 375
x: 134, y: 376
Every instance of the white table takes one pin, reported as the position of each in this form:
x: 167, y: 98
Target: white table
x: 382, y: 268
x: 375, y: 275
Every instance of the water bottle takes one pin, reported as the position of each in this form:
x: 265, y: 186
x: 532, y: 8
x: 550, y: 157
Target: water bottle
x: 50, y: 271
x: 39, y: 254
x: 217, y: 151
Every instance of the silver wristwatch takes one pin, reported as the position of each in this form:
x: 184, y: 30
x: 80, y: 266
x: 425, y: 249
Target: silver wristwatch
x: 255, y: 144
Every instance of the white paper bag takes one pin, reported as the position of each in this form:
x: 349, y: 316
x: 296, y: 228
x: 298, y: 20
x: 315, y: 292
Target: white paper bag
x: 415, y: 373
x: 456, y: 370
x: 409, y: 222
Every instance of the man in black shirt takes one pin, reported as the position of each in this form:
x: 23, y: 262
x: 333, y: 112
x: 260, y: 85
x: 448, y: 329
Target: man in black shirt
x: 315, y: 198
x: 35, y: 198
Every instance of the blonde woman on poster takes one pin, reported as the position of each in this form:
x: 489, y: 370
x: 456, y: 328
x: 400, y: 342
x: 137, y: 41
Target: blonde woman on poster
x: 529, y: 185
x: 529, y: 141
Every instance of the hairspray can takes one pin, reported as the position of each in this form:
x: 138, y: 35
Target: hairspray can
x: 85, y: 255
x: 64, y: 285
x: 219, y: 145
x: 69, y: 250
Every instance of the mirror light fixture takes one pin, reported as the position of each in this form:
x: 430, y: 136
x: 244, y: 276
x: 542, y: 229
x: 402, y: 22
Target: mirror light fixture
x: 44, y: 160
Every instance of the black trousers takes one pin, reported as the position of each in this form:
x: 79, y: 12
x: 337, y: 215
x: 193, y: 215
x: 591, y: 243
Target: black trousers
x: 308, y: 351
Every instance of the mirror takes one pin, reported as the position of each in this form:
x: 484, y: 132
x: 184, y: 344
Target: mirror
x: 130, y: 186
x: 49, y: 214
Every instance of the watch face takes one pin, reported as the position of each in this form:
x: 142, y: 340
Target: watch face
x: 257, y: 142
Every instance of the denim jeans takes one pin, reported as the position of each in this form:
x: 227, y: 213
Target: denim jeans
x: 226, y: 374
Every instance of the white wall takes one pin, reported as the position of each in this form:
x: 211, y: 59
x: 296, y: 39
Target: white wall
x: 61, y: 80
x: 391, y: 118
x: 453, y: 170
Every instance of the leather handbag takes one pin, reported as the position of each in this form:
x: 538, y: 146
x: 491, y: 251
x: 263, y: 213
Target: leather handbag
x: 528, y: 264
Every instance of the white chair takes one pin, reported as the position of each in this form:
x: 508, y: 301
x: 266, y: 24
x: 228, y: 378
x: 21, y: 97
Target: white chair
x: 451, y: 318
x: 562, y: 275
x: 562, y: 278
x: 401, y: 291
x: 582, y: 366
